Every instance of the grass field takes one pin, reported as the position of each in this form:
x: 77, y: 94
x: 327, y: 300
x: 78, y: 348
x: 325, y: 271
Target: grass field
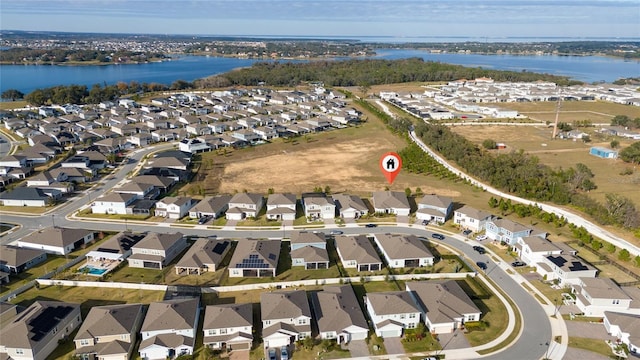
x: 574, y: 110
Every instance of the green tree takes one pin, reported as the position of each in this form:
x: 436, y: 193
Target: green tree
x: 407, y: 192
x: 614, y: 144
x: 489, y: 144
x: 631, y: 153
x: 327, y: 190
x: 624, y: 255
x: 636, y: 260
x: 620, y: 120
x: 12, y: 94
x: 596, y: 245
x: 611, y: 248
x: 493, y: 202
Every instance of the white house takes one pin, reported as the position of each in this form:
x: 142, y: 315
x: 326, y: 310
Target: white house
x: 402, y: 251
x: 338, y: 314
x: 357, y: 252
x: 255, y: 258
x: 318, y: 207
x: 214, y: 206
x: 533, y: 249
x: 594, y: 296
x: 286, y: 317
x: 471, y: 218
x: 57, y: 240
x: 193, y: 146
x: 392, y: 312
x: 625, y: 327
x: 566, y: 268
x: 174, y: 207
x: 228, y: 326
x: 391, y: 202
x: 444, y: 304
x: 309, y: 249
x: 112, y: 203
x: 169, y: 329
x: 434, y: 208
x: 281, y: 206
x: 155, y: 250
x: 505, y: 230
x: 244, y: 205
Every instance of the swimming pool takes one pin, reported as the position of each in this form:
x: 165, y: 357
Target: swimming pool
x: 92, y: 270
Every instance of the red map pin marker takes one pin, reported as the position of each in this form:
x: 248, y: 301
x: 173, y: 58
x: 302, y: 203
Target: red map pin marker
x: 390, y: 164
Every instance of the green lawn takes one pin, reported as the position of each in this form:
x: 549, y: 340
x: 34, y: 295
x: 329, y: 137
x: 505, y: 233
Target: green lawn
x: 26, y: 209
x: 17, y: 280
x: 596, y: 346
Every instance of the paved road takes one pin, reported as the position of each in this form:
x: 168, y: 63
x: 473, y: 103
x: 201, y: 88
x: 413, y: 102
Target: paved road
x: 5, y: 145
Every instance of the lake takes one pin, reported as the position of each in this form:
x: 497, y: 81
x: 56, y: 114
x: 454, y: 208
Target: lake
x: 26, y: 78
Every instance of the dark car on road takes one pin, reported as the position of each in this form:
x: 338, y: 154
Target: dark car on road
x: 437, y: 236
x: 518, y: 264
x: 482, y: 265
x: 479, y: 249
x: 335, y: 232
x: 371, y: 225
x: 466, y: 232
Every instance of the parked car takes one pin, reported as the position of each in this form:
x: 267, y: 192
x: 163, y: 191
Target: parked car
x: 272, y: 354
x: 518, y: 264
x: 437, y: 236
x: 371, y: 225
x: 479, y: 249
x: 284, y: 353
x: 335, y: 232
x: 425, y: 222
x: 481, y: 237
x: 482, y: 265
x: 204, y: 219
x: 467, y: 232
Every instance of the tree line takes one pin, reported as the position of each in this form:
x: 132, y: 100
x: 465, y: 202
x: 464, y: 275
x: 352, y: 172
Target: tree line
x: 524, y: 176
x: 21, y: 55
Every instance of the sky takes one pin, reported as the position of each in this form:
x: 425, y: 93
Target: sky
x: 327, y: 18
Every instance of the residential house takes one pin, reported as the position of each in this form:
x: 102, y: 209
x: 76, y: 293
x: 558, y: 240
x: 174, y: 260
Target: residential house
x: 444, y: 305
x: 139, y: 189
x: 109, y: 332
x: 391, y: 202
x: 357, y: 252
x: 160, y: 183
x: 318, y: 207
x: 205, y: 255
x: 402, y: 251
x: 193, y: 146
x: 471, y: 218
x: 604, y: 153
x: 13, y: 161
x: 434, y: 208
x: 26, y: 196
x: 116, y: 248
x: 113, y: 203
x: 281, y: 207
x: 169, y: 329
x: 15, y: 260
x: 244, y: 205
x: 594, y: 296
x: 38, y: 330
x: 391, y: 312
x: 155, y: 251
x: 338, y: 314
x: 506, y: 231
x: 57, y: 240
x: 167, y: 162
x: 174, y: 207
x: 214, y: 206
x: 72, y: 175
x: 228, y: 326
x: 255, y: 258
x: 309, y: 249
x: 533, y: 249
x: 625, y: 327
x: 45, y: 180
x: 350, y: 206
x: 567, y: 269
x: 286, y: 317
x: 8, y: 312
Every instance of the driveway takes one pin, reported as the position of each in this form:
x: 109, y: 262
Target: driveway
x: 579, y: 354
x: 394, y: 345
x: 358, y: 348
x: 588, y: 330
x: 239, y: 355
x: 454, y: 340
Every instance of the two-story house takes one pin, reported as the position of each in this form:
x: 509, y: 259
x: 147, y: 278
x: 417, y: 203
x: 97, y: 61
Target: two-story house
x: 350, y: 206
x: 309, y: 249
x: 228, y: 326
x: 470, y: 218
x: 434, y: 208
x: 338, y: 314
x: 392, y: 312
x: 533, y: 249
x: 155, y: 250
x: 594, y: 296
x: 318, y: 207
x: 244, y: 205
x: 113, y: 203
x: 281, y: 206
x: 169, y: 329
x: 174, y: 207
x: 286, y: 317
x: 109, y: 332
x: 507, y: 231
x: 402, y: 251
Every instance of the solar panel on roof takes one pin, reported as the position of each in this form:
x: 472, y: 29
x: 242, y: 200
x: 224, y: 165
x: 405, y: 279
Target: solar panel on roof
x: 253, y: 256
x: 47, y: 320
x: 272, y: 256
x: 111, y: 251
x: 577, y: 266
x: 220, y: 247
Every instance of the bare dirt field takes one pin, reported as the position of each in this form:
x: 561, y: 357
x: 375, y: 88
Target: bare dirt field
x: 344, y: 160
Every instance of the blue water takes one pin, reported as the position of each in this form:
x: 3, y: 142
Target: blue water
x: 92, y: 270
x: 26, y: 78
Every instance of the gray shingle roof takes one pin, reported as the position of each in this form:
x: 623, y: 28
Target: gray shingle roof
x: 171, y: 314
x: 337, y: 308
x: 284, y: 305
x: 109, y: 320
x: 16, y: 256
x: 399, y: 246
x: 205, y: 252
x: 56, y: 236
x: 392, y: 302
x: 158, y: 241
x: 227, y: 315
x: 357, y: 248
x: 442, y: 300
